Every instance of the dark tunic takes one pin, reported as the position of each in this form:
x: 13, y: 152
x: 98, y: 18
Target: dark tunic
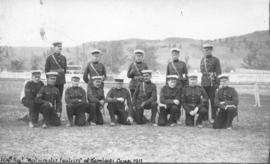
x: 51, y: 66
x: 135, y: 73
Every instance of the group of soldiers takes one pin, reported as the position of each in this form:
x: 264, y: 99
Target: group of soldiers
x: 126, y: 106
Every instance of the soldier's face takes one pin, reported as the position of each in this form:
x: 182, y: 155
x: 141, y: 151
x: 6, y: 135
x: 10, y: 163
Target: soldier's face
x: 224, y: 82
x: 193, y: 82
x: 119, y: 85
x: 58, y: 49
x: 138, y: 57
x: 97, y: 83
x: 207, y: 51
x: 96, y: 57
x: 146, y: 77
x: 51, y: 80
x: 75, y: 82
x: 36, y: 78
x: 172, y: 83
x: 175, y: 55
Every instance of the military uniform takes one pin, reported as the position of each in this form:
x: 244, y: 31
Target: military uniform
x: 226, y: 100
x: 75, y: 97
x: 210, y: 69
x: 181, y: 70
x: 146, y: 93
x: 192, y: 97
x: 50, y: 94
x: 94, y: 69
x: 135, y: 73
x: 57, y: 63
x: 31, y: 90
x: 167, y: 95
x: 94, y: 95
x: 123, y: 110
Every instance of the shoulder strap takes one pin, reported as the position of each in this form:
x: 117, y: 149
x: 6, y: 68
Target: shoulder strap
x: 205, y: 67
x: 91, y: 65
x: 175, y: 69
x: 136, y: 67
x: 58, y: 65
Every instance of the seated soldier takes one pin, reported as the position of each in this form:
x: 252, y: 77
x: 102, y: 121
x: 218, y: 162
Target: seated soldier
x: 75, y: 97
x: 194, y: 101
x: 30, y: 91
x: 49, y: 99
x: 96, y: 99
x: 170, y: 102
x: 226, y: 101
x: 119, y: 103
x: 145, y: 97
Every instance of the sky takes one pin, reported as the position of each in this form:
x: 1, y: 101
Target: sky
x: 78, y: 21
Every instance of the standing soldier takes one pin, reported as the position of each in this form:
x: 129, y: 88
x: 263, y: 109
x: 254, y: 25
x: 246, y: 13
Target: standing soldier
x: 135, y: 70
x: 30, y: 91
x: 170, y: 98
x: 49, y: 99
x: 119, y: 103
x: 145, y: 97
x: 194, y: 101
x: 94, y: 68
x: 96, y: 99
x: 226, y: 101
x: 75, y: 97
x: 210, y: 69
x: 57, y: 63
x: 179, y: 68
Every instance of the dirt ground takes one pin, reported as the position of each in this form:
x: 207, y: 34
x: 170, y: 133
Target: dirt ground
x: 247, y: 142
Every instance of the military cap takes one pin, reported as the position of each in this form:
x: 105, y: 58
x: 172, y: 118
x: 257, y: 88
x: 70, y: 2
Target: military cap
x: 96, y: 51
x: 193, y: 76
x: 223, y: 76
x: 51, y: 74
x: 172, y: 77
x: 36, y: 72
x: 147, y: 72
x: 119, y: 79
x: 57, y: 43
x: 207, y: 45
x: 75, y: 77
x: 138, y: 52
x: 175, y: 50
x: 97, y: 78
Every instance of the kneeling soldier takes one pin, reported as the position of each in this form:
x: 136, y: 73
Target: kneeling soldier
x: 96, y: 99
x: 75, y: 97
x: 194, y: 101
x: 30, y: 91
x: 119, y: 103
x: 49, y: 99
x: 170, y: 97
x: 145, y: 97
x: 226, y: 101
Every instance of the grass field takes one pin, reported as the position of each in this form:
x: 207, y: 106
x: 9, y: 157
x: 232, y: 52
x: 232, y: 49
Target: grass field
x: 247, y: 142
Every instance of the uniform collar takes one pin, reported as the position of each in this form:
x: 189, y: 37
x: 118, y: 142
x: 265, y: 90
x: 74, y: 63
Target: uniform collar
x: 138, y: 62
x: 95, y: 62
x: 209, y: 56
x: 177, y: 60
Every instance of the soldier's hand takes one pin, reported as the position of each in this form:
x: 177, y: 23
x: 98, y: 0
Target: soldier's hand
x: 222, y: 102
x: 51, y: 105
x: 130, y: 119
x: 121, y: 99
x: 192, y: 113
x: 58, y: 114
x: 79, y: 100
x: 176, y: 102
x: 196, y: 110
x: 102, y: 102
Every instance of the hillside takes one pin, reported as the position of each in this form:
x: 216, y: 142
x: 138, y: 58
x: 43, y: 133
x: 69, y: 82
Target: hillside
x: 231, y: 50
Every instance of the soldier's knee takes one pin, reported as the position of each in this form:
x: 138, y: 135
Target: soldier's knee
x: 203, y: 110
x: 174, y: 108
